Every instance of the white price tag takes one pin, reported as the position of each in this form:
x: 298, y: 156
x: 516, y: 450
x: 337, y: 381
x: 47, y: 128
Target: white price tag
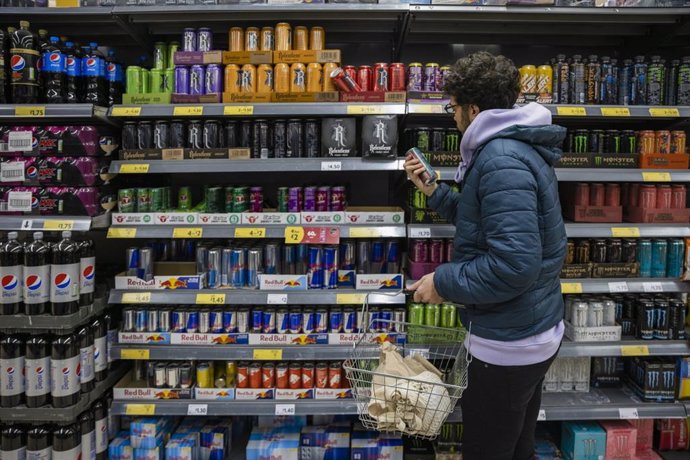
x: 277, y: 299
x: 197, y: 409
x: 20, y: 141
x: 19, y: 201
x: 27, y: 224
x: 423, y: 352
x: 542, y: 415
x: 12, y: 171
x: 416, y: 232
x: 652, y: 287
x: 285, y: 409
x: 627, y: 413
x: 619, y: 286
x: 331, y: 166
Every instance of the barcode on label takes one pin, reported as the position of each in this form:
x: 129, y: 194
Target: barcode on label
x: 20, y: 141
x: 19, y: 201
x: 12, y: 171
x: 329, y: 55
x: 3, y: 206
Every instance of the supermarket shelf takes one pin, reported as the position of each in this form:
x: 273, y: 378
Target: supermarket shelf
x: 270, y: 109
x: 256, y: 297
x: 272, y: 231
x: 613, y: 285
x: 53, y: 112
x: 430, y: 231
x: 626, y: 348
x: 265, y: 165
x: 53, y: 323
x: 620, y: 175
x: 53, y: 223
x: 68, y: 414
x: 626, y: 229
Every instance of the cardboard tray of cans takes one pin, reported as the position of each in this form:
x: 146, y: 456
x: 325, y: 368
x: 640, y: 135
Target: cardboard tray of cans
x: 374, y: 96
x: 595, y: 214
x: 425, y: 216
x: 166, y: 275
x: 146, y: 98
x: 130, y: 389
x: 660, y: 389
x: 247, y: 57
x: 593, y: 334
x: 199, y: 57
x: 665, y: 161
x: 230, y: 339
x: 213, y: 98
x: 241, y: 98
x: 189, y: 218
x: 657, y: 216
x: 185, y: 154
x: 323, y: 96
x: 572, y: 271
x: 346, y: 279
x: 306, y: 56
x: 250, y: 394
x: 616, y: 270
x: 599, y: 160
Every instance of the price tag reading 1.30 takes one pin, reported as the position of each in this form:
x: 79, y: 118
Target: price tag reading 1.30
x: 188, y: 111
x: 192, y: 232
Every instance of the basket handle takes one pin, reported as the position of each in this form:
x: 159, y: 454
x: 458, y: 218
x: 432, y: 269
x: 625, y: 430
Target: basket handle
x: 365, y: 310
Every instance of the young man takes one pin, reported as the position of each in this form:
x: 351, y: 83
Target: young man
x: 510, y: 244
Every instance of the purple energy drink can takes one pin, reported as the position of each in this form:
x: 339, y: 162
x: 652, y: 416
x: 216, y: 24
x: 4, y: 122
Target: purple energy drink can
x: 310, y: 199
x: 197, y: 79
x: 181, y: 80
x: 323, y: 199
x: 338, y: 199
x: 295, y: 199
x: 330, y: 267
x: 315, y: 268
x: 189, y: 39
x: 414, y: 77
x: 213, y: 79
x: 256, y: 199
x: 296, y: 322
x: 204, y: 39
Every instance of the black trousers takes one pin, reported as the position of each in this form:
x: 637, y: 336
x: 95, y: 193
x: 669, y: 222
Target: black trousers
x: 499, y: 410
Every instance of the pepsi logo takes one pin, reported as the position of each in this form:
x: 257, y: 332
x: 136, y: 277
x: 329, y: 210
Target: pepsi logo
x: 104, y: 428
x: 62, y: 280
x: 96, y: 353
x: 71, y: 62
x: 33, y: 282
x: 111, y: 67
x: 66, y: 370
x: 34, y: 202
x: 79, y: 370
x: 89, y: 272
x: 40, y: 370
x: 91, y: 62
x: 55, y: 57
x: 17, y: 63
x: 34, y: 143
x: 10, y: 370
x: 32, y: 172
x: 9, y: 282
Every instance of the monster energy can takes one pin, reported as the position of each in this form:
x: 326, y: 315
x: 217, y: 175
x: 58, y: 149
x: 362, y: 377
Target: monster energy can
x: 157, y: 199
x: 184, y: 199
x: 283, y: 198
x: 214, y: 199
x: 448, y: 315
x: 416, y: 314
x: 581, y: 141
x: 421, y: 139
x: 452, y: 140
x: 432, y: 315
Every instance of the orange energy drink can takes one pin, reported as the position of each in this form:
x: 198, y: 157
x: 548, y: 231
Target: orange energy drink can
x: 255, y: 377
x: 327, y: 70
x: 298, y: 78
x: 295, y: 376
x: 544, y: 80
x: 283, y: 36
x: 251, y: 39
x: 267, y: 39
x: 282, y: 378
x: 663, y: 142
x: 300, y: 38
x: 334, y: 375
x: 236, y: 39
x: 242, y: 380
x: 264, y: 78
x: 528, y: 79
x: 321, y: 375
x: 248, y: 79
x: 308, y: 375
x: 232, y: 78
x: 317, y: 38
x: 678, y: 141
x: 646, y: 142
x: 314, y: 77
x: 281, y: 78
x: 268, y: 375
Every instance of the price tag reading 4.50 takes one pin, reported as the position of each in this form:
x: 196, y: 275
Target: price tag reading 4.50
x: 242, y: 110
x: 331, y: 166
x: 139, y: 168
x: 365, y: 109
x: 615, y: 111
x: 193, y: 232
x: 571, y: 111
x: 126, y: 111
x: 210, y: 299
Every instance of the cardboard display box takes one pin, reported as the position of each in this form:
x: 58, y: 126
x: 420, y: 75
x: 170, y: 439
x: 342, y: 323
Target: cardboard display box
x: 657, y: 216
x: 666, y: 161
x: 595, y: 214
x: 146, y: 98
x: 186, y: 154
x: 327, y: 96
x: 438, y: 97
x: 620, y: 270
x: 593, y: 334
x: 247, y: 57
x: 398, y: 97
x: 198, y: 57
x: 308, y: 56
x: 571, y: 271
x: 196, y: 99
x: 131, y: 389
x: 599, y: 160
x: 167, y: 275
x: 230, y: 98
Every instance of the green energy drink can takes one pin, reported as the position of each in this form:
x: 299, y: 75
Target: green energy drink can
x: 419, y: 199
x: 145, y: 81
x: 214, y: 199
x: 143, y: 199
x: 184, y: 199
x: 157, y: 199
x: 283, y: 199
x: 240, y: 199
x: 168, y: 81
x: 448, y: 316
x: 160, y: 56
x: 127, y: 200
x: 421, y: 139
x: 172, y: 49
x: 167, y: 204
x: 156, y: 80
x: 415, y: 314
x: 452, y: 141
x: 432, y: 315
x: 228, y: 199
x: 135, y: 84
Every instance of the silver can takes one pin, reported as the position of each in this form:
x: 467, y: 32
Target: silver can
x: 580, y: 311
x: 609, y: 313
x: 595, y: 314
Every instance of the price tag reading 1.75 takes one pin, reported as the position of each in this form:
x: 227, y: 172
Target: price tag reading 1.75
x: 58, y: 225
x: 30, y: 111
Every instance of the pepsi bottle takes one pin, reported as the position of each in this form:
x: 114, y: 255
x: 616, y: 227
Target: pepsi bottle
x: 3, y: 63
x: 94, y: 75
x: 64, y: 270
x: 87, y: 425
x: 12, y: 443
x: 115, y: 79
x: 67, y: 443
x: 37, y: 371
x: 100, y: 348
x: 87, y: 271
x: 11, y: 272
x: 38, y: 443
x: 24, y: 57
x: 64, y: 380
x: 86, y: 362
x: 111, y: 326
x: 73, y: 84
x: 100, y: 414
x: 54, y: 70
x: 43, y: 40
x: 11, y: 371
x: 36, y: 276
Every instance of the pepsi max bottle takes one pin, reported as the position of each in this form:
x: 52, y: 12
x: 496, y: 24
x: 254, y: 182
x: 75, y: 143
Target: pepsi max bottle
x: 36, y: 276
x: 87, y: 270
x: 38, y: 443
x: 67, y: 443
x: 37, y: 371
x: 64, y: 364
x: 86, y: 362
x: 64, y: 269
x: 115, y: 76
x: 87, y: 425
x: 100, y: 348
x: 100, y: 414
x: 11, y: 272
x: 54, y: 70
x: 24, y: 58
x: 12, y: 443
x: 11, y: 371
x: 73, y: 83
x: 3, y: 74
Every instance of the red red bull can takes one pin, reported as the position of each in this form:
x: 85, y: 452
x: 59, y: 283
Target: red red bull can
x: 230, y: 321
x: 268, y: 322
x: 282, y: 321
x: 257, y: 318
x: 344, y: 82
x: 351, y: 71
x: 178, y: 321
x: 397, y: 77
x: 349, y: 321
x: 330, y: 267
x: 215, y: 321
x: 296, y: 322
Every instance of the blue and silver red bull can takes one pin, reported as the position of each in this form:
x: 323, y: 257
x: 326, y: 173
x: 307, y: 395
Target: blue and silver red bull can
x: 204, y: 321
x: 226, y: 255
x: 272, y: 259
x: 230, y: 321
x: 197, y: 80
x: 377, y: 256
x: 268, y: 321
x: 296, y: 322
x: 257, y: 321
x: 384, y: 321
x: 215, y: 322
x: 315, y: 268
x: 164, y: 319
x: 132, y: 261
x: 178, y: 321
x: 128, y: 320
x: 188, y: 249
x: 348, y: 255
x: 289, y: 258
x: 152, y: 321
x: 392, y: 257
x: 282, y: 321
x: 214, y: 270
x: 140, y: 320
x: 308, y: 320
x: 243, y: 320
x: 238, y: 271
x: 201, y: 260
x: 374, y: 315
x: 330, y: 267
x: 301, y: 258
x: 192, y: 324
x: 213, y: 79
x: 321, y: 321
x: 181, y: 84
x: 349, y: 321
x: 335, y: 321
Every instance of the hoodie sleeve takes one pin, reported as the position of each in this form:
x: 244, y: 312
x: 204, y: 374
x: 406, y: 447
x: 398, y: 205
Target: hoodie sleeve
x: 509, y: 219
x: 445, y: 201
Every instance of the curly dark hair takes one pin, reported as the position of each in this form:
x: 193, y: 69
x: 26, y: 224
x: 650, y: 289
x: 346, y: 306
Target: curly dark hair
x: 490, y: 82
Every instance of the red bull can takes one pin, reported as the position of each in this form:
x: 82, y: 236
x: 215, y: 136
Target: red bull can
x: 132, y: 261
x: 335, y: 321
x: 374, y: 315
x: 243, y: 320
x: 399, y: 319
x: 315, y: 268
x: 230, y: 321
x: 349, y: 321
x: 330, y: 267
x: 152, y: 321
x: 392, y: 257
x: 164, y: 320
x: 348, y: 254
x: 214, y: 270
x: 238, y: 270
x: 215, y: 322
x: 308, y: 320
x: 257, y: 318
x: 128, y: 320
x: 282, y: 321
x: 268, y: 321
x: 178, y: 321
x: 321, y: 321
x: 225, y: 271
x: 385, y: 321
x: 204, y: 321
x: 192, y: 323
x: 296, y: 324
x: 140, y: 320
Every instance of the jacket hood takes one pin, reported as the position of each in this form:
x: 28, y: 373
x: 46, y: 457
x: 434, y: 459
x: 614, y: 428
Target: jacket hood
x: 530, y: 123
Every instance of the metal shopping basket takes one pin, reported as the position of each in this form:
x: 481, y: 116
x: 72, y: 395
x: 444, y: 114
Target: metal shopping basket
x: 416, y: 407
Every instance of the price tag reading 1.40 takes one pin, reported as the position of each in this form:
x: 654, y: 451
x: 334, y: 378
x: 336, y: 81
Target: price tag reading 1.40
x: 188, y: 111
x: 30, y: 111
x: 193, y: 232
x: 210, y: 299
x: 285, y: 409
x: 136, y: 297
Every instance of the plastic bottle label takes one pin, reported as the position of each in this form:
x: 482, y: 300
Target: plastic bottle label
x: 44, y: 454
x: 86, y: 365
x: 112, y: 338
x: 101, y: 435
x: 54, y: 61
x: 90, y: 67
x: 23, y: 64
x: 11, y: 284
x: 37, y: 376
x: 64, y: 380
x: 88, y: 446
x: 37, y: 284
x: 11, y: 377
x: 87, y: 267
x: 72, y: 454
x: 65, y: 283
x: 100, y: 354
x: 19, y: 454
x: 73, y: 66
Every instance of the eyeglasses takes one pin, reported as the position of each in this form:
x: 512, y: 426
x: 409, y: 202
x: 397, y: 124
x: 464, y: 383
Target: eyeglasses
x: 450, y: 108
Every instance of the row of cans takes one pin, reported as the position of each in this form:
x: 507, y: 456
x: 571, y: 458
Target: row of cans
x: 196, y: 39
x: 428, y: 77
x: 141, y: 80
x: 646, y: 196
x: 291, y: 375
x: 417, y: 198
x: 657, y: 258
x: 433, y: 139
x: 436, y: 315
x: 434, y: 251
x: 613, y: 141
x: 280, y: 138
x: 263, y: 320
x: 197, y: 80
x: 281, y: 38
x: 380, y: 77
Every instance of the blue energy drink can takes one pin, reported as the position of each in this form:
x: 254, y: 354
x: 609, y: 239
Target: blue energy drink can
x: 349, y: 320
x: 140, y: 316
x: 348, y: 255
x: 257, y: 321
x: 335, y: 321
x: 192, y: 324
x: 644, y: 257
x: 226, y: 256
x: 659, y: 256
x: 282, y: 321
x: 271, y: 259
x: 238, y: 271
x: 229, y: 321
x: 308, y: 320
x: 268, y: 321
x: 132, y: 261
x: 301, y: 258
x: 392, y: 257
x: 330, y: 267
x: 385, y: 318
x: 374, y: 315
x: 214, y: 270
x: 321, y: 321
x: 178, y: 321
x: 215, y: 322
x: 289, y: 259
x: 675, y: 256
x: 315, y: 268
x: 296, y: 324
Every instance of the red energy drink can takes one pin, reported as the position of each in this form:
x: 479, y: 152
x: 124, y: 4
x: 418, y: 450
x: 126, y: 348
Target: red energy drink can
x: 663, y: 142
x: 436, y: 251
x: 364, y: 77
x: 450, y: 250
x: 381, y: 81
x: 613, y: 195
x: 397, y: 76
x: 308, y: 375
x: 334, y: 375
x: 420, y: 251
x: 321, y: 375
x: 646, y: 142
x: 351, y: 71
x: 664, y: 196
x: 678, y: 196
x: 582, y: 194
x: 282, y: 376
x: 678, y: 141
x: 255, y: 375
x: 344, y: 82
x: 647, y: 197
x: 597, y: 195
x: 633, y: 194
x: 268, y: 375
x: 295, y: 376
x: 242, y: 380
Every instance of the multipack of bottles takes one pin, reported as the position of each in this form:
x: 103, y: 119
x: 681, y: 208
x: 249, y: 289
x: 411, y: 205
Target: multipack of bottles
x: 54, y: 70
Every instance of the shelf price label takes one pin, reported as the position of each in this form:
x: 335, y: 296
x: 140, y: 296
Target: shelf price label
x: 115, y: 232
x: 129, y: 168
x: 140, y: 409
x: 634, y: 350
x: 571, y: 111
x: 250, y: 232
x: 30, y: 111
x: 365, y: 109
x: 294, y: 235
x: 312, y: 235
x: 618, y: 286
x: 136, y: 297
x: 656, y: 176
x: 331, y: 166
x: 364, y: 232
x: 628, y: 413
x: 285, y: 409
x: 58, y: 225
x: 126, y: 111
x: 193, y: 232
x: 277, y: 299
x: 416, y: 232
x: 210, y: 299
x: 199, y: 410
x: 425, y: 108
x: 625, y: 232
x: 188, y: 111
x: 268, y: 355
x: 615, y: 111
x: 664, y: 112
x: 241, y: 110
x: 652, y: 287
x: 349, y: 299
x: 571, y: 288
x: 141, y: 354
x: 542, y: 416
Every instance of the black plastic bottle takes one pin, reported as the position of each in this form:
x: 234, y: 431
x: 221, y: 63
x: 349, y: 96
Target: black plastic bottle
x: 67, y: 442
x: 86, y: 362
x: 11, y: 371
x: 100, y: 345
x: 37, y: 276
x: 11, y: 274
x: 12, y: 443
x: 37, y: 371
x: 39, y: 443
x: 87, y: 425
x: 87, y: 270
x: 100, y: 413
x: 24, y: 57
x: 64, y: 268
x: 64, y: 362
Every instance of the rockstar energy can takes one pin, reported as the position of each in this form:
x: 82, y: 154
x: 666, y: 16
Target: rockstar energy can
x: 248, y: 79
x: 314, y: 77
x: 300, y: 40
x: 281, y: 78
x: 267, y: 39
x: 232, y: 78
x: 264, y: 78
x: 328, y: 69
x: 298, y: 78
x: 283, y: 37
x: 236, y: 39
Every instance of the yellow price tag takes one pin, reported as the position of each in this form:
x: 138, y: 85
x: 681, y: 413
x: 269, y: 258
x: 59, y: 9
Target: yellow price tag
x: 656, y: 176
x: 294, y: 235
x: 664, y: 112
x: 242, y: 110
x: 250, y: 232
x: 425, y: 108
x: 134, y: 354
x: 126, y: 111
x: 136, y: 297
x: 364, y: 232
x: 210, y: 299
x: 193, y: 232
x: 571, y: 288
x: 268, y: 355
x: 140, y: 409
x: 58, y: 225
x: 188, y: 111
x: 349, y: 299
x: 30, y: 111
x: 130, y: 168
x: 625, y: 232
x: 634, y: 350
x: 615, y: 111
x: 571, y: 111
x: 114, y: 232
x: 365, y: 109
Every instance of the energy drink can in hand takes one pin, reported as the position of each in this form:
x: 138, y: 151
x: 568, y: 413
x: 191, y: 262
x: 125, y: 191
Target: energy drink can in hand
x: 429, y: 175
